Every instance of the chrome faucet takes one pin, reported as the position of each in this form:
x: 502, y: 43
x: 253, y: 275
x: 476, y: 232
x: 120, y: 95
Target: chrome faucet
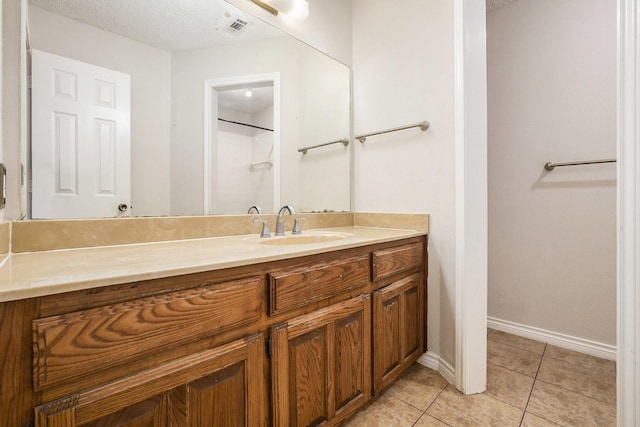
x: 255, y: 208
x: 280, y: 221
x: 265, y: 228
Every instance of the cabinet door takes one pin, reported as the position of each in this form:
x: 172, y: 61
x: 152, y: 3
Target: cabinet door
x: 219, y: 399
x: 321, y: 365
x: 398, y: 325
x: 148, y: 413
x: 221, y: 386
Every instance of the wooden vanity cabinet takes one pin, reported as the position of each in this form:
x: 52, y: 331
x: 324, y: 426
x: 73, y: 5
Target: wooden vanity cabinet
x: 299, y: 342
x: 320, y: 365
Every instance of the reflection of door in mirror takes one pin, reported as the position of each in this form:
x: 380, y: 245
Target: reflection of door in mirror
x: 80, y: 139
x: 242, y: 141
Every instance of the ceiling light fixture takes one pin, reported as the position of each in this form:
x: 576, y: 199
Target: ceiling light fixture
x: 295, y: 9
x: 248, y: 94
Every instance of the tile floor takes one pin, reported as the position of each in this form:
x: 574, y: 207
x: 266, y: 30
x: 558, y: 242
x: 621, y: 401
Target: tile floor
x: 529, y: 384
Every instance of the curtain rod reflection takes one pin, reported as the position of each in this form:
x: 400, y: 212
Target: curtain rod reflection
x: 244, y: 124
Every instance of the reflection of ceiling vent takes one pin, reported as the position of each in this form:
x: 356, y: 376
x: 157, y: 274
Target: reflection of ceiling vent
x: 232, y: 24
x: 237, y: 25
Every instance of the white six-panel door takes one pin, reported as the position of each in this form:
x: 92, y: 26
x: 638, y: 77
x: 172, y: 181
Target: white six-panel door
x: 80, y: 143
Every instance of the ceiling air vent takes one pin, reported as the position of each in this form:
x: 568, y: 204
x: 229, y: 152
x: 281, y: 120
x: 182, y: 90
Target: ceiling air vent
x: 232, y: 24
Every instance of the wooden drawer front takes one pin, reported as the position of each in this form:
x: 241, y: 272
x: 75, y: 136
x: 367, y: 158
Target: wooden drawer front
x: 394, y: 260
x: 77, y: 344
x: 217, y: 387
x: 289, y: 289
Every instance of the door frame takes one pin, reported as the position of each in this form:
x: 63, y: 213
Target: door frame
x: 628, y: 223
x: 471, y: 198
x: 210, y: 129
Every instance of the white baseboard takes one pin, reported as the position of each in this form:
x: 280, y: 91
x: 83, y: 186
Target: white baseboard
x: 433, y: 361
x: 581, y: 345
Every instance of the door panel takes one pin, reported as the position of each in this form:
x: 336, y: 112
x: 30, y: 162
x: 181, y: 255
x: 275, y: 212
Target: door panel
x: 349, y: 359
x: 321, y: 365
x: 80, y: 139
x: 398, y: 322
x: 411, y: 315
x: 388, y: 333
x: 219, y: 399
x: 307, y: 376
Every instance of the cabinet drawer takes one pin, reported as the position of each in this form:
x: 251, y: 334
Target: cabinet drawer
x: 388, y: 262
x: 294, y: 288
x: 76, y: 344
x: 178, y: 393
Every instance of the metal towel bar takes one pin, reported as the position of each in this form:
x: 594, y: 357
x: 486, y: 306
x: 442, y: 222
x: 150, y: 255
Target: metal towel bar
x: 551, y: 166
x: 422, y: 125
x: 304, y: 150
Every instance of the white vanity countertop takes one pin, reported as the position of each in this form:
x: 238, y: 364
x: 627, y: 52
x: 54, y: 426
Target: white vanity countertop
x: 28, y: 275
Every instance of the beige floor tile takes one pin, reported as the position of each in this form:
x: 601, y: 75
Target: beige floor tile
x: 581, y: 379
x: 519, y: 342
x: 512, y: 358
x: 568, y: 408
x: 418, y: 386
x: 530, y: 420
x: 477, y: 410
x: 508, y: 386
x: 592, y: 362
x: 385, y: 411
x: 429, y: 421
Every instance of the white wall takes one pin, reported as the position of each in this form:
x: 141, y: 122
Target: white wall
x: 233, y: 176
x: 552, y: 97
x: 150, y: 71
x: 328, y: 27
x: 239, y: 186
x: 403, y: 71
x: 324, y: 117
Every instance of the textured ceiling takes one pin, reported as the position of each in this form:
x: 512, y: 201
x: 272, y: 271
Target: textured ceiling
x: 167, y: 24
x: 495, y: 4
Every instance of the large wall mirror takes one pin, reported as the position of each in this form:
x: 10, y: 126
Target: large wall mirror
x: 166, y: 107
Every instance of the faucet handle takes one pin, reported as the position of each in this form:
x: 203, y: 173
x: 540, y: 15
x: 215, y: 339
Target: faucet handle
x: 296, y: 226
x: 265, y: 228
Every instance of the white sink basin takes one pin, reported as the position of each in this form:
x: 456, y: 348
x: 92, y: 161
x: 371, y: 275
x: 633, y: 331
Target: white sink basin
x: 304, y: 239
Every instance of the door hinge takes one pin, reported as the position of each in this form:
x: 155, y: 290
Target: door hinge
x: 3, y: 186
x: 267, y: 344
x: 29, y: 82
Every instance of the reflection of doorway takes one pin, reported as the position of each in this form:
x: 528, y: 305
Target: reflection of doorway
x: 241, y: 144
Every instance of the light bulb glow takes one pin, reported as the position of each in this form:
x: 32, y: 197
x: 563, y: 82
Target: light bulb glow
x: 294, y: 9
